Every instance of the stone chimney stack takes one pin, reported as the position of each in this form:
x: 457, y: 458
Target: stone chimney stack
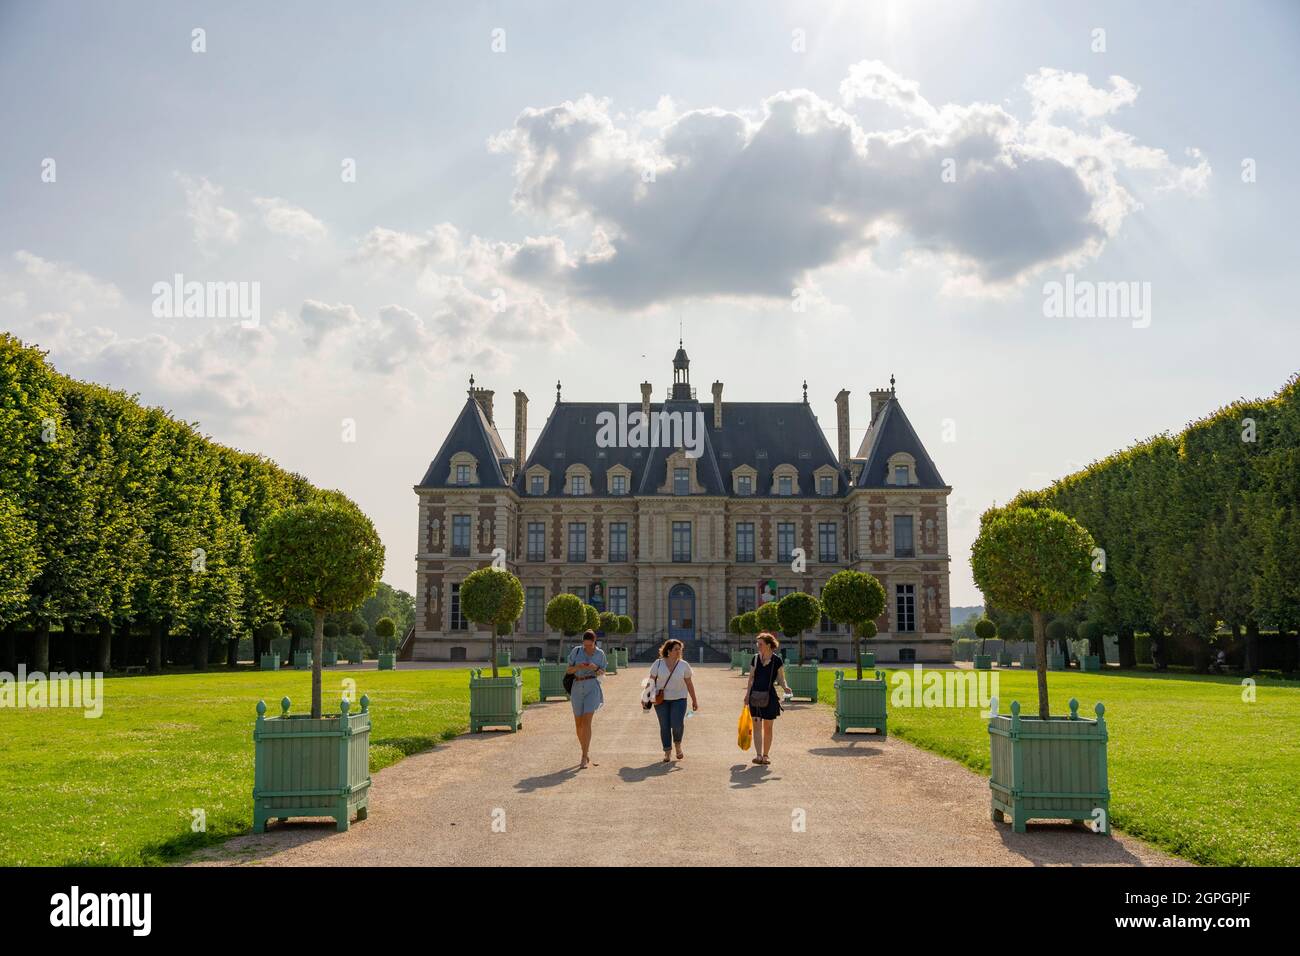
x: 646, y: 388
x: 842, y: 425
x: 521, y: 430
x: 717, y: 404
x: 484, y: 397
x: 879, y: 397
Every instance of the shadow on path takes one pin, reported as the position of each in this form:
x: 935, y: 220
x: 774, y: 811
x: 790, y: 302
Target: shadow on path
x: 745, y: 776
x: 638, y: 774
x: 532, y: 784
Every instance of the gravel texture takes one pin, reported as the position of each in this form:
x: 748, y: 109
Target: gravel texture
x: 825, y: 800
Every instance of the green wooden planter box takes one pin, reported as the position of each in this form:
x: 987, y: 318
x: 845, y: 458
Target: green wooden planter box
x: 503, y: 658
x: 388, y: 662
x: 270, y: 662
x: 868, y: 659
x: 1055, y: 661
x: 860, y: 704
x: 329, y: 658
x: 803, y: 680
x: 550, y: 678
x: 496, y: 701
x: 1090, y: 662
x: 1048, y: 770
x: 358, y: 659
x: 1028, y: 661
x: 622, y: 656
x: 744, y: 663
x: 302, y: 661
x: 983, y: 662
x: 611, y: 661
x: 311, y: 768
x: 1004, y: 658
x: 736, y: 658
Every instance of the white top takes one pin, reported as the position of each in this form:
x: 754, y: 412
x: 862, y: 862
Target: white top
x: 675, y: 688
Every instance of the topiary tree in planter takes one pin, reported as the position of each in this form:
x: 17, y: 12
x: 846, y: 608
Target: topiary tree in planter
x: 625, y: 624
x: 985, y: 630
x: 797, y: 612
x: 608, y: 622
x: 1058, y: 634
x: 1034, y: 560
x: 325, y: 556
x: 265, y: 637
x: 854, y: 598
x: 386, y: 631
x: 565, y: 613
x: 590, y: 619
x: 768, y: 618
x: 491, y: 597
x: 749, y: 623
x: 867, y: 630
x: 1091, y: 632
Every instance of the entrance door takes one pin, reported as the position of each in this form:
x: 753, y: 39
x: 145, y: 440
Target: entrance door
x: 681, y: 612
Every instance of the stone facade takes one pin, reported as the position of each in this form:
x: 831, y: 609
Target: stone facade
x: 558, y: 535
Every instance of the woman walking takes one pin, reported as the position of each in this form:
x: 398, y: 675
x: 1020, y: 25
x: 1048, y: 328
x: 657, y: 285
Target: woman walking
x: 765, y: 675
x: 671, y: 684
x: 586, y: 664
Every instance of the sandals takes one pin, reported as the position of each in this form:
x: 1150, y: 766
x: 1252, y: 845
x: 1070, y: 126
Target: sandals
x: 680, y: 755
x: 667, y: 758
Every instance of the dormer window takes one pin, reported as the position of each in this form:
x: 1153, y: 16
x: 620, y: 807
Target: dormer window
x: 784, y: 485
x: 618, y: 485
x: 902, y: 475
x: 578, y: 485
x: 826, y: 485
x: 681, y: 481
x: 744, y: 485
x: 537, y: 485
x: 463, y: 470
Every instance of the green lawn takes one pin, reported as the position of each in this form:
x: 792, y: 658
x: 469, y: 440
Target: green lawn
x: 1193, y: 769
x: 120, y: 789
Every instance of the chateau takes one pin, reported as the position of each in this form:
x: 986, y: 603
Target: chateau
x: 682, y: 514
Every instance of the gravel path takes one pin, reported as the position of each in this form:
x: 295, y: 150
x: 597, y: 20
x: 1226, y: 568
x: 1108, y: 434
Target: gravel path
x: 862, y: 800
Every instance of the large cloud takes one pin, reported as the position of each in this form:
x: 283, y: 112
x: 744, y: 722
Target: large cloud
x: 720, y: 202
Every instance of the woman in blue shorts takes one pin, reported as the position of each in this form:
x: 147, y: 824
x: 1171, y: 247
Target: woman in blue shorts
x: 586, y: 664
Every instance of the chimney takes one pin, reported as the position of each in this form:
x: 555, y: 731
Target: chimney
x: 521, y: 430
x: 842, y: 425
x: 717, y: 404
x: 484, y: 397
x: 878, y: 399
x: 645, y: 402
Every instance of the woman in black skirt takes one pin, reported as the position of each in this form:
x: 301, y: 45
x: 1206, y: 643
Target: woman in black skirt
x: 765, y: 676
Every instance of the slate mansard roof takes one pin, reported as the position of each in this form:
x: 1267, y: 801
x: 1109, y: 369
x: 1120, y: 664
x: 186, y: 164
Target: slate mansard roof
x: 762, y: 435
x: 890, y: 434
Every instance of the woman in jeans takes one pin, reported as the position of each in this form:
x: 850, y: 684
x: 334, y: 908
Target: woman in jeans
x: 765, y: 675
x: 672, y: 676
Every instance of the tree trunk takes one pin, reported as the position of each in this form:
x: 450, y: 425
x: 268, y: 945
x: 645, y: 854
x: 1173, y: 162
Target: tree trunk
x: 41, y: 646
x: 857, y: 650
x: 494, y: 649
x: 8, y: 649
x: 199, y: 647
x: 105, y: 661
x: 1250, y: 664
x: 232, y: 652
x: 294, y: 641
x: 317, y: 651
x: 157, y: 629
x: 1040, y: 664
x: 1127, y: 648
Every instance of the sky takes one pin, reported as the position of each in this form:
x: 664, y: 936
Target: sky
x: 408, y: 194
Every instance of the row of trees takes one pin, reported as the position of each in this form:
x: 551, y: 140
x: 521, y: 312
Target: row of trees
x: 115, y: 517
x: 854, y: 598
x: 1198, y: 531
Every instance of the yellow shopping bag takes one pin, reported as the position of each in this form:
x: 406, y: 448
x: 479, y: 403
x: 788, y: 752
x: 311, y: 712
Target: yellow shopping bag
x: 745, y: 729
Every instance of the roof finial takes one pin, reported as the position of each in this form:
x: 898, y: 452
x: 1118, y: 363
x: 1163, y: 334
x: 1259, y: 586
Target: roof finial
x: 805, y: 391
x: 891, y: 383
x: 557, y: 391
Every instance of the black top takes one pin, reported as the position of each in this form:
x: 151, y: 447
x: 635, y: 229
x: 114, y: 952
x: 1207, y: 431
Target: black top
x: 765, y: 674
